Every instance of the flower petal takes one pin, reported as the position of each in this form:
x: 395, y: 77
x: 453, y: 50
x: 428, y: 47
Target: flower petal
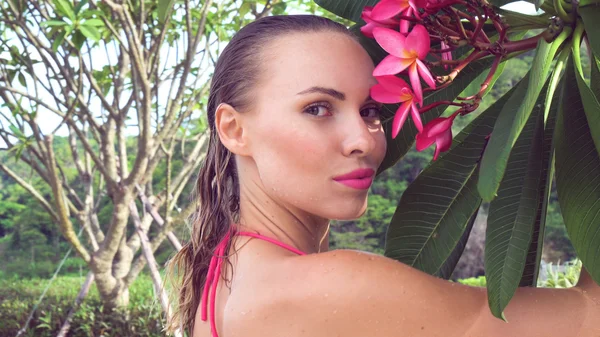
x: 366, y: 14
x: 415, y: 82
x: 392, y: 83
x: 438, y: 126
x: 419, y: 41
x: 425, y: 74
x: 383, y: 95
x: 405, y: 24
x: 390, y: 40
x: 444, y: 140
x: 386, y: 9
x: 423, y: 141
x: 416, y: 117
x: 400, y: 118
x: 390, y: 65
x: 418, y: 4
x: 367, y: 29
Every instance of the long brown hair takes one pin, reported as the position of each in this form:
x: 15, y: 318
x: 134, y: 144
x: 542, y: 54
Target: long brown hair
x: 217, y: 194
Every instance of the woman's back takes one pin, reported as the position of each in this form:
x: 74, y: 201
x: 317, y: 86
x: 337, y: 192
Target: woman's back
x: 350, y: 293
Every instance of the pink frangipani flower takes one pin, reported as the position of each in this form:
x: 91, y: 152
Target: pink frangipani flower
x: 367, y: 29
x: 392, y: 89
x: 438, y: 131
x: 387, y: 9
x: 405, y: 53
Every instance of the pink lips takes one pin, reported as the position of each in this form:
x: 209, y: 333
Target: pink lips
x: 359, y: 179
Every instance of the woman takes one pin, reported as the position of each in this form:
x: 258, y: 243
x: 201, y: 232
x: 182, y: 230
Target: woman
x: 295, y: 141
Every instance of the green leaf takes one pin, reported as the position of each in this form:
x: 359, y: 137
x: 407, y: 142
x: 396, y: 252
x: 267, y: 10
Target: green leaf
x: 244, y: 9
x: 93, y: 23
x: 22, y: 79
x: 164, y: 8
x: 80, y: 6
x: 515, y: 19
x: 90, y: 32
x: 512, y: 214
x: 500, y: 3
x: 53, y: 23
x: 398, y: 147
x: 584, y: 3
x: 437, y: 208
x: 17, y: 132
x: 578, y: 175
x: 512, y: 120
x: 348, y: 9
x: 475, y: 86
x: 59, y: 39
x: 590, y: 15
x: 591, y: 107
x: 65, y: 8
x: 447, y: 268
x: 534, y: 255
x: 595, y: 77
x: 78, y: 39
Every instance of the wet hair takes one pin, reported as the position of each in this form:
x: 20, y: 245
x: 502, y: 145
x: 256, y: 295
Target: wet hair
x: 217, y: 193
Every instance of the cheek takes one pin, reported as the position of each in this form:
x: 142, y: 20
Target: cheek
x: 290, y: 160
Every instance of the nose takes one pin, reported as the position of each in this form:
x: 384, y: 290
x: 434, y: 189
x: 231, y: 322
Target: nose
x: 359, y: 137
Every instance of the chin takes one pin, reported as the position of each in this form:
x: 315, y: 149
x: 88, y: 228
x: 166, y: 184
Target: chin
x: 345, y: 213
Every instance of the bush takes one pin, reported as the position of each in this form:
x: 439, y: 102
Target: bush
x: 17, y: 298
x: 559, y: 276
x: 474, y: 281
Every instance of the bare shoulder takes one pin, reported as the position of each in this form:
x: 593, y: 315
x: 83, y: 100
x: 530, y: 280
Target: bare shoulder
x: 351, y: 293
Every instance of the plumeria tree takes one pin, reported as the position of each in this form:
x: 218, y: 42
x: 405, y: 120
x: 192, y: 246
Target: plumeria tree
x: 427, y: 52
x: 126, y: 83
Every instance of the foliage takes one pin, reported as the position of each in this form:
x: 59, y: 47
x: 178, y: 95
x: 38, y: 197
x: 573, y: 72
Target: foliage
x: 17, y: 297
x: 561, y: 276
x: 474, y: 281
x: 507, y: 156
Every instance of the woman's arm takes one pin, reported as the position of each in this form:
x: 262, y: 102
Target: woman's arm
x: 349, y: 293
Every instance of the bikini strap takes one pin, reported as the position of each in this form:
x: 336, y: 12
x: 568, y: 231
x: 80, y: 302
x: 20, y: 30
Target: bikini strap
x: 214, y: 272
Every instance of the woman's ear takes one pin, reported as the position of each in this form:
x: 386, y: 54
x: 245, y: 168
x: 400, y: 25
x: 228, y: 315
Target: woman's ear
x: 228, y: 123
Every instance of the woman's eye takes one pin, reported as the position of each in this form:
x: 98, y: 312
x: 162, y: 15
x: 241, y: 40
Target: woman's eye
x: 318, y: 110
x: 370, y: 112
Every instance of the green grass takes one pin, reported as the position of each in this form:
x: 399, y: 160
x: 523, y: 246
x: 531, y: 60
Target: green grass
x: 17, y: 298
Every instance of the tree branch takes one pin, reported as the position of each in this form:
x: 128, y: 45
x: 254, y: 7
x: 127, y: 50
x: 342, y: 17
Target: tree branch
x: 31, y: 191
x: 65, y: 223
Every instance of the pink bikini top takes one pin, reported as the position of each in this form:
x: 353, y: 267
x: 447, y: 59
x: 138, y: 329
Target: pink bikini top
x: 214, y: 273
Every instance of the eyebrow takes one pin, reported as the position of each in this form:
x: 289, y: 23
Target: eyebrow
x: 327, y: 91
x: 331, y: 92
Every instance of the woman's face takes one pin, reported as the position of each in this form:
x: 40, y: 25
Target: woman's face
x: 313, y: 121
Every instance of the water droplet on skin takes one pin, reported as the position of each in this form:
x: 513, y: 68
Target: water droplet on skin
x: 243, y: 313
x: 335, y: 311
x: 326, y: 295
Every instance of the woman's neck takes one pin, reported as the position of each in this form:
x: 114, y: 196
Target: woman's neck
x: 258, y: 212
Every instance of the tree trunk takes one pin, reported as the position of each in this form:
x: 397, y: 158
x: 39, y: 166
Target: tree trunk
x: 113, y: 293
